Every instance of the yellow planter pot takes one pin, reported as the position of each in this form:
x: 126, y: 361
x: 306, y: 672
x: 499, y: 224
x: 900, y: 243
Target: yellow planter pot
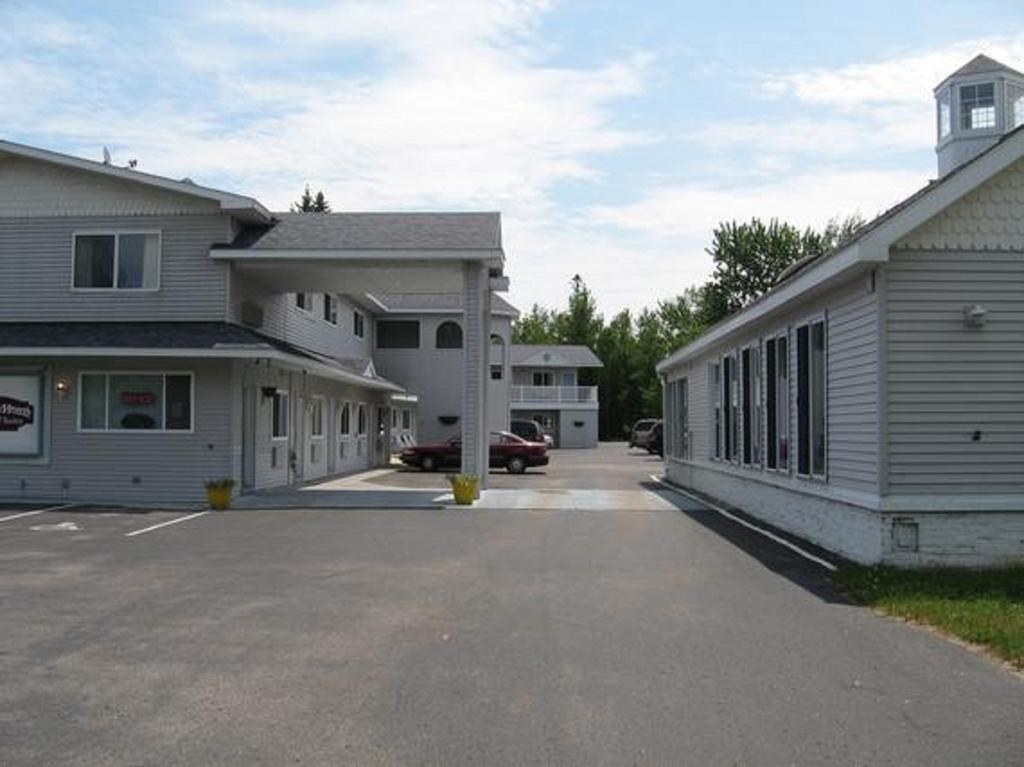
x: 465, y: 488
x: 219, y: 498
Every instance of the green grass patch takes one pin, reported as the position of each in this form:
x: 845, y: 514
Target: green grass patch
x: 985, y: 607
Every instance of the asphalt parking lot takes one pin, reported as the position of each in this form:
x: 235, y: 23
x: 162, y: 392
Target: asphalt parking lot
x: 610, y: 466
x: 428, y: 636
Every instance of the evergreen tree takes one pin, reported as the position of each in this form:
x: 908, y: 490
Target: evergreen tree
x: 309, y: 203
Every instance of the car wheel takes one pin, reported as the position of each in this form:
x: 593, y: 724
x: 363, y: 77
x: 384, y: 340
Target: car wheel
x: 516, y: 465
x: 428, y: 463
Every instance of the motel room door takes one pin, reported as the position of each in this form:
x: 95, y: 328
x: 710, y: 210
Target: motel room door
x: 249, y: 400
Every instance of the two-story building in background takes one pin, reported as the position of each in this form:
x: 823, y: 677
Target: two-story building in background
x: 156, y: 334
x: 546, y: 389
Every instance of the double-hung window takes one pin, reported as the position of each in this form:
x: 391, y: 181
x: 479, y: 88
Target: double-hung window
x: 279, y: 415
x: 140, y: 401
x: 776, y: 352
x: 715, y: 387
x: 358, y: 324
x: 810, y: 399
x: 330, y: 309
x: 304, y: 301
x: 116, y: 261
x: 750, y: 400
x: 730, y: 406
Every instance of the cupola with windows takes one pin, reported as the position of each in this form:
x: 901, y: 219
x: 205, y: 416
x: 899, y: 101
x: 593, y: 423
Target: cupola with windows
x: 974, y: 107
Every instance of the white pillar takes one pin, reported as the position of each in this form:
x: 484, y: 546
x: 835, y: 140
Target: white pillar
x: 476, y: 309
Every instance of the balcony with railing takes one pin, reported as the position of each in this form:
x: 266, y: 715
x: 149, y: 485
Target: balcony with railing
x: 557, y: 396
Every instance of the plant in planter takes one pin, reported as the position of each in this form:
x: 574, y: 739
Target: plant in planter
x: 464, y: 488
x: 218, y: 493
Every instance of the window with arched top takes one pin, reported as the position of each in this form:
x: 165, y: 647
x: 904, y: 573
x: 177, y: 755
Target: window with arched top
x: 449, y: 335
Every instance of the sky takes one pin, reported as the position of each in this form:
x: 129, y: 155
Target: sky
x: 612, y: 136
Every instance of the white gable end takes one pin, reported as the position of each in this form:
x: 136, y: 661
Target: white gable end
x: 990, y: 217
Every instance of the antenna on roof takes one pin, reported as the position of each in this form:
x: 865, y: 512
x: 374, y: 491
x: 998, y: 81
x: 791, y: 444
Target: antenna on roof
x: 106, y: 156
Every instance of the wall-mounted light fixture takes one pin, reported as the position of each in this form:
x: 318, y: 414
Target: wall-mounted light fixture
x: 63, y: 387
x: 975, y: 315
x: 269, y: 391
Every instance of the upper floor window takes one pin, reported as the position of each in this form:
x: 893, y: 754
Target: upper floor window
x: 117, y: 261
x: 304, y: 301
x: 330, y: 309
x: 358, y: 324
x: 977, y: 106
x: 945, y: 115
x: 398, y: 334
x: 449, y: 335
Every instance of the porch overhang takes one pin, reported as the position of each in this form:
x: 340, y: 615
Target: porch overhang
x: 359, y: 271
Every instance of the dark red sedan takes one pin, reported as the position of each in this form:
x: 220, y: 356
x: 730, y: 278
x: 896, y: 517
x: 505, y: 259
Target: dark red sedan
x: 508, y: 451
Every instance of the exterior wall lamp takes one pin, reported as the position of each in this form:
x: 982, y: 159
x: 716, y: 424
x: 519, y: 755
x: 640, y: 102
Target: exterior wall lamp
x: 63, y: 387
x: 975, y: 316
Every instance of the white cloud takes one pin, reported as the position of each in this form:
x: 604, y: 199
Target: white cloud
x: 907, y: 78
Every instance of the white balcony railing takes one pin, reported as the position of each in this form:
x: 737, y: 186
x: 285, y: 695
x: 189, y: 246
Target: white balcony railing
x: 554, y: 394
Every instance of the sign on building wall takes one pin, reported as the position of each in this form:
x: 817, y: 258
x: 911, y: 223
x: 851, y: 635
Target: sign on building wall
x: 21, y: 414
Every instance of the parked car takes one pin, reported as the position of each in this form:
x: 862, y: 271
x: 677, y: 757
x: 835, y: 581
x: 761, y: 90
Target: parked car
x: 641, y: 432
x: 508, y: 451
x: 531, y: 431
x: 656, y: 440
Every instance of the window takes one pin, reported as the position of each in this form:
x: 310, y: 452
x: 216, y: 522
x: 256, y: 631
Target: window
x: 449, y: 335
x: 361, y: 420
x: 715, y: 386
x: 751, y: 401
x: 135, y: 402
x: 358, y: 324
x: 316, y: 417
x: 406, y: 419
x: 1015, y: 100
x: 394, y: 418
x: 398, y: 334
x: 810, y: 398
x: 977, y: 106
x: 676, y: 435
x: 776, y: 353
x: 330, y: 309
x: 345, y: 420
x: 302, y: 300
x: 279, y: 416
x: 121, y: 261
x: 945, y: 115
x: 730, y: 397
x: 497, y: 372
x: 543, y: 379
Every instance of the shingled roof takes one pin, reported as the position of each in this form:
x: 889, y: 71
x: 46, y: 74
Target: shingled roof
x: 375, y: 231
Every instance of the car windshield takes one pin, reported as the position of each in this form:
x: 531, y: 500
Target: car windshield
x: 643, y: 425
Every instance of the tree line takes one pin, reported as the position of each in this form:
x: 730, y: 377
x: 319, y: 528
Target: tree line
x: 749, y: 259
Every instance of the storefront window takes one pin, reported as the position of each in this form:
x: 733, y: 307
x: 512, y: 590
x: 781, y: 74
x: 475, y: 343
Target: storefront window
x: 135, y: 401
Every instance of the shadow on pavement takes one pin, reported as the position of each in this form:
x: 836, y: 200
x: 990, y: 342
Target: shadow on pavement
x: 780, y: 560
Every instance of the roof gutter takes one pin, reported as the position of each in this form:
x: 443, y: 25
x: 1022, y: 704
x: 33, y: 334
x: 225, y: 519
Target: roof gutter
x: 244, y: 352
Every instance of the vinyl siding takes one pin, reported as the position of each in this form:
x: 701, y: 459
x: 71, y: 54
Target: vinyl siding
x: 35, y: 189
x: 36, y: 271
x: 169, y: 467
x: 852, y: 392
x: 284, y: 320
x: 947, y: 381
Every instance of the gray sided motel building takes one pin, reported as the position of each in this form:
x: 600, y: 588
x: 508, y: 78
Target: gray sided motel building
x: 156, y: 334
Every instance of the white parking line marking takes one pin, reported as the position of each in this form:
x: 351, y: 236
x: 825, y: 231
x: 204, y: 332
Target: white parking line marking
x: 792, y: 546
x: 165, y: 524
x: 35, y: 511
